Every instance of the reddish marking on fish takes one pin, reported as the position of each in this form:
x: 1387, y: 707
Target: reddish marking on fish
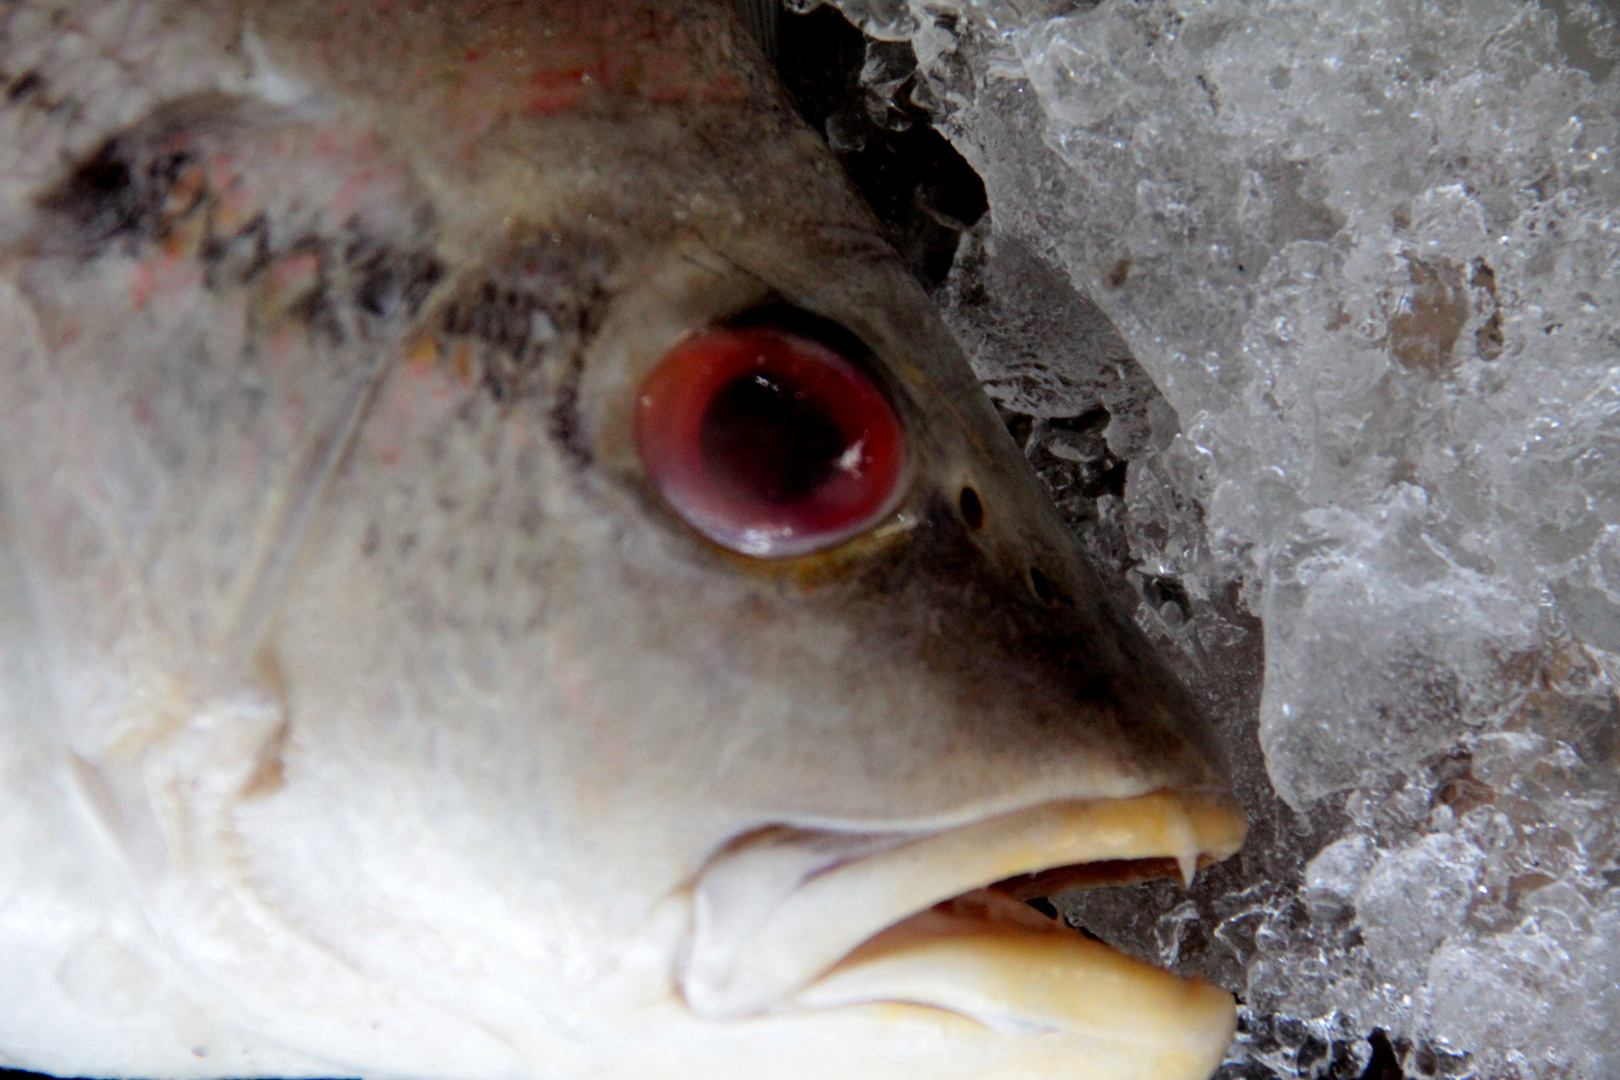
x: 725, y: 89
x: 595, y: 52
x: 145, y: 283
x: 329, y: 144
x: 355, y: 188
x: 558, y: 91
x: 291, y: 275
x: 223, y: 175
x: 409, y: 399
x: 162, y: 273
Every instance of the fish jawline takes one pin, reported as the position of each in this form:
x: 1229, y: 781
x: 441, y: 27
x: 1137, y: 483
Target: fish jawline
x: 788, y: 919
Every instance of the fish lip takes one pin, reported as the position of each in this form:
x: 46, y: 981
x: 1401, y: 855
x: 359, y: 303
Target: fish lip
x: 779, y: 909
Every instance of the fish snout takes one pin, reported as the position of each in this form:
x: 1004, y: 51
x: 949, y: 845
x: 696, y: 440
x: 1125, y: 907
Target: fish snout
x: 995, y: 605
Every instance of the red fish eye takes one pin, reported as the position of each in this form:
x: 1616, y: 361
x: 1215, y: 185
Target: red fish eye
x: 769, y: 443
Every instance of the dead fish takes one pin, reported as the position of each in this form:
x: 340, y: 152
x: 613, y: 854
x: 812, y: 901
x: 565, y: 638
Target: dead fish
x: 503, y: 574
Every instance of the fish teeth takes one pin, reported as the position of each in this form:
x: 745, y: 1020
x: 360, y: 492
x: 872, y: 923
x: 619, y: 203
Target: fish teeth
x: 1188, y: 863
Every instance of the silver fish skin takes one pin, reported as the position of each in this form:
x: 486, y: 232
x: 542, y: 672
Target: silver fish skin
x: 367, y: 709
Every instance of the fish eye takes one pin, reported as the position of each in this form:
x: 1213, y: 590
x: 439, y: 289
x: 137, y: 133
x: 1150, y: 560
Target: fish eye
x: 769, y: 442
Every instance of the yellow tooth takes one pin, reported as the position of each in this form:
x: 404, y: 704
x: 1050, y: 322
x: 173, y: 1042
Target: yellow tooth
x: 1050, y: 985
x: 1187, y: 863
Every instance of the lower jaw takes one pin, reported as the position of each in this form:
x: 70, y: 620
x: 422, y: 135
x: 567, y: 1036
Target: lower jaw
x: 898, y: 1040
x: 990, y: 958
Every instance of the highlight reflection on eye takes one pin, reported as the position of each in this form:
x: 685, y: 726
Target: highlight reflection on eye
x: 769, y: 443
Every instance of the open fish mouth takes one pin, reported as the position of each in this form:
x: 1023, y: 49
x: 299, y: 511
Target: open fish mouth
x: 790, y: 919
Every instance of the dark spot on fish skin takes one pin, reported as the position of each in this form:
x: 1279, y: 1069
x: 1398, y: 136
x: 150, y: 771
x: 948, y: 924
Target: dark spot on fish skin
x: 564, y: 426
x: 29, y: 83
x: 373, y: 537
x: 972, y: 508
x: 544, y: 302
x: 496, y: 316
x: 388, y: 280
x: 107, y: 197
x: 123, y: 190
x: 320, y: 315
x: 238, y: 257
x: 138, y: 189
x: 1118, y: 273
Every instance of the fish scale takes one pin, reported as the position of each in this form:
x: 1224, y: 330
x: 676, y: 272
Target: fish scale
x: 398, y: 721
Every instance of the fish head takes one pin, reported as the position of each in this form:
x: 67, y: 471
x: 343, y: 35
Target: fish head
x: 587, y: 616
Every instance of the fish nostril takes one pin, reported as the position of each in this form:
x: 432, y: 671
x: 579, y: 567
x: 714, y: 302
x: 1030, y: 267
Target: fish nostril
x: 972, y: 508
x: 1042, y: 587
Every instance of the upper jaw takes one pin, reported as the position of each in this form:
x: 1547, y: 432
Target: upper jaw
x: 787, y: 919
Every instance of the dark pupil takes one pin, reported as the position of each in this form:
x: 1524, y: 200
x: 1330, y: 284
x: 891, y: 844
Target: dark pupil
x: 761, y: 435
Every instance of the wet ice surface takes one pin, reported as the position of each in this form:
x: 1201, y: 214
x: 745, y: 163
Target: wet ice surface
x: 1309, y: 313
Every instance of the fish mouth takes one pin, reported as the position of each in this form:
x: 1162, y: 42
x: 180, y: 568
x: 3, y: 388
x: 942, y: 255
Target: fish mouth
x: 796, y: 919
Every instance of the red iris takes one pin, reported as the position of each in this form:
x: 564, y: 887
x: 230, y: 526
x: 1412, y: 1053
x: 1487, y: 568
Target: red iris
x: 769, y: 443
